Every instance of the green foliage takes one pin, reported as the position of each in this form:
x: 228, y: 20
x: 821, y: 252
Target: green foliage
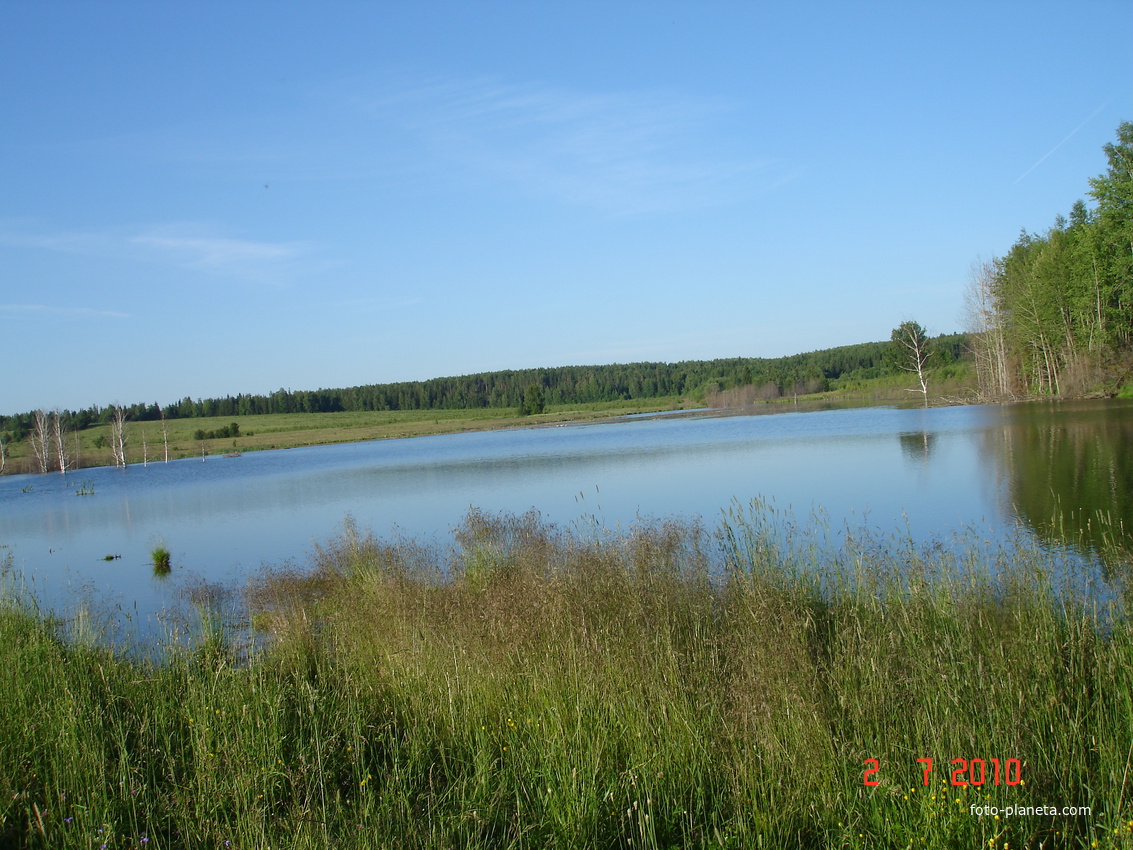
x: 1065, y: 298
x: 161, y: 559
x: 591, y: 689
x: 230, y: 430
x: 533, y: 401
x: 909, y: 347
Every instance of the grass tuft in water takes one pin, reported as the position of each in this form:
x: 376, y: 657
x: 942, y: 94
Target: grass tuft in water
x: 161, y: 559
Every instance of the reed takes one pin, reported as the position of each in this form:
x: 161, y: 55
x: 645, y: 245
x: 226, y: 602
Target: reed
x: 530, y: 686
x: 161, y: 559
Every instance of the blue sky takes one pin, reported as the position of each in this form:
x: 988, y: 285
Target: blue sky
x: 212, y: 198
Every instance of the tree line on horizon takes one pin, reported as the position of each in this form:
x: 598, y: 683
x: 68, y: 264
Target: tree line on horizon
x: 1054, y: 315
x: 767, y: 378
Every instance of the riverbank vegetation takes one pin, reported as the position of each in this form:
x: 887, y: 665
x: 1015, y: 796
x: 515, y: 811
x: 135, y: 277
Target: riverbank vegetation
x: 666, y: 685
x: 1054, y: 315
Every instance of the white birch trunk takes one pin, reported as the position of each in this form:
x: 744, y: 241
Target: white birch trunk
x: 60, y: 439
x: 41, y: 441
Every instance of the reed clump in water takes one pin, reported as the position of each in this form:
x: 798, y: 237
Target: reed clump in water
x: 161, y: 559
x: 669, y: 685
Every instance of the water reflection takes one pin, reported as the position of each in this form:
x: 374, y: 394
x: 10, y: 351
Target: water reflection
x: 980, y: 467
x: 1069, y: 468
x: 917, y: 445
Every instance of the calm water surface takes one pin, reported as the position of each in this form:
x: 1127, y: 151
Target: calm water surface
x: 928, y: 472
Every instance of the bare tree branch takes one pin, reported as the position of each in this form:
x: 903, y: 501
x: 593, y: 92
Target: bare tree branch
x: 913, y: 352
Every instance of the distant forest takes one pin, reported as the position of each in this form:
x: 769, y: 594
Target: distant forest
x: 799, y: 374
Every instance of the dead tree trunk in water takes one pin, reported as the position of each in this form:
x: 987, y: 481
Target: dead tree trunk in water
x: 40, y: 439
x: 118, y: 437
x: 60, y: 438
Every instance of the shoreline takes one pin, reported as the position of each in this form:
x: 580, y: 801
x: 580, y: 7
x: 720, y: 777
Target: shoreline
x: 286, y: 431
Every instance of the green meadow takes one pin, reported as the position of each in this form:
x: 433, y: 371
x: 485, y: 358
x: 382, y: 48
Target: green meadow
x: 146, y: 441
x: 668, y: 685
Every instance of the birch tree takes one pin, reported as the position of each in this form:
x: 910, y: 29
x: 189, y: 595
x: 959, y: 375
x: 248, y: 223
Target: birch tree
x: 59, y: 438
x: 40, y: 439
x: 118, y: 436
x: 985, y: 324
x: 911, y: 352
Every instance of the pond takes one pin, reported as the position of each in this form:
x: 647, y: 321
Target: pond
x: 86, y: 537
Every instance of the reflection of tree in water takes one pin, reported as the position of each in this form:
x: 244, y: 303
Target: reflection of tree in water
x: 917, y: 445
x: 1069, y: 468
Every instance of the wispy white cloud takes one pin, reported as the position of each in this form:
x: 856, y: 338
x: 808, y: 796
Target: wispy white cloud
x: 216, y: 252
x: 623, y: 152
x: 47, y: 309
x: 187, y: 246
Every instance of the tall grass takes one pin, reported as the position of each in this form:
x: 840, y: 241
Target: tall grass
x: 667, y: 686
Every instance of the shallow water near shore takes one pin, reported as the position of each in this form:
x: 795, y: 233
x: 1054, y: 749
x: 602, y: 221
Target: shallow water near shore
x: 910, y: 472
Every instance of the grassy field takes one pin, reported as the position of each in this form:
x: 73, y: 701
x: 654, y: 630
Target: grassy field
x: 289, y: 430
x: 666, y: 686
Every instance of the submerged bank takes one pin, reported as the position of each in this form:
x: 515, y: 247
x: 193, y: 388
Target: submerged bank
x: 152, y: 441
x: 669, y: 685
x: 147, y: 443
